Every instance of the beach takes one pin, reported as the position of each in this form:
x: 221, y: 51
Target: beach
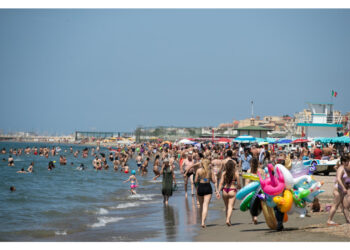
x: 313, y: 228
x: 66, y: 204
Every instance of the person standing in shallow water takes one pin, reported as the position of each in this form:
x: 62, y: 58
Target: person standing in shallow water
x: 168, y: 178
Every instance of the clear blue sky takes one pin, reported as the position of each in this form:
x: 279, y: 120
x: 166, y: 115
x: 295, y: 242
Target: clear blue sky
x: 111, y: 70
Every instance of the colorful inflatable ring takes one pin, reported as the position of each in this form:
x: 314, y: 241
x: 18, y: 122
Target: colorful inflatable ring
x: 284, y: 203
x: 252, y: 177
x: 255, y: 205
x: 285, y: 217
x: 247, y: 189
x: 272, y: 185
x: 246, y: 202
x: 288, y: 178
x: 297, y: 200
x: 269, y: 215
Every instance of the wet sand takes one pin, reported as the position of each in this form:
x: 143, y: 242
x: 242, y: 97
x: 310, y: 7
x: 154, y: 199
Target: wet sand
x: 313, y: 228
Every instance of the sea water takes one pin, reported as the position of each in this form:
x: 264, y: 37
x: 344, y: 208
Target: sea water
x: 66, y: 204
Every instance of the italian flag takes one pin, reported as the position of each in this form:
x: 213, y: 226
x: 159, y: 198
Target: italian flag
x: 334, y: 93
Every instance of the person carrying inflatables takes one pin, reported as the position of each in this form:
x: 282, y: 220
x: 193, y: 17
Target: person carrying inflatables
x: 254, y: 169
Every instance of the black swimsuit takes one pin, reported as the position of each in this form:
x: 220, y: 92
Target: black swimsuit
x: 204, y: 188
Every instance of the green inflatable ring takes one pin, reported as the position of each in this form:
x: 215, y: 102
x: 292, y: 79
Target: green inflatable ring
x: 245, y: 204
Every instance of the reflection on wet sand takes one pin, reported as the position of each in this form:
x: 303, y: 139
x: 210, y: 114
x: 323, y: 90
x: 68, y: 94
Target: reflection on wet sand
x: 191, y: 212
x: 170, y: 223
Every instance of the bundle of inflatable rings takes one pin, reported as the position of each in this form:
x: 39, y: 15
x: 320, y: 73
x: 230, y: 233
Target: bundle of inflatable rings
x: 278, y: 188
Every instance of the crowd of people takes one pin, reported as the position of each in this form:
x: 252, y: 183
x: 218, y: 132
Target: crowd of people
x: 210, y: 166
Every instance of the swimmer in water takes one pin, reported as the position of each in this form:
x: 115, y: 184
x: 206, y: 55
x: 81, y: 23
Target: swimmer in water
x: 81, y: 167
x: 30, y: 168
x: 10, y: 161
x: 133, y: 182
x: 51, y: 166
x: 22, y: 171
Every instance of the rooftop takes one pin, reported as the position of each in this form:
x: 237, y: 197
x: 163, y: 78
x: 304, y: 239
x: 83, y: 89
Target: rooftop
x: 255, y: 128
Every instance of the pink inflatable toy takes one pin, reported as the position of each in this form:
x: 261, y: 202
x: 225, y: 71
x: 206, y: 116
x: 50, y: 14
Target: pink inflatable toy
x: 272, y: 185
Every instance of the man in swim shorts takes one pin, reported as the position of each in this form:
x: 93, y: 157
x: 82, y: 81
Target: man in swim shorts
x: 186, y: 165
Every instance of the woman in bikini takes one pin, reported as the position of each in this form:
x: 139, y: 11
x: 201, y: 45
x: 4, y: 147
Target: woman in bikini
x: 204, y: 191
x: 341, y: 191
x: 229, y: 176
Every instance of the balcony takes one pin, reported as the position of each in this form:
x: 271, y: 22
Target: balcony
x: 320, y: 119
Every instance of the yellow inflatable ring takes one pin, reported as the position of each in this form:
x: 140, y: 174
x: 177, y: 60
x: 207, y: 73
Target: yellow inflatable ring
x: 252, y: 177
x: 284, y: 203
x: 269, y: 215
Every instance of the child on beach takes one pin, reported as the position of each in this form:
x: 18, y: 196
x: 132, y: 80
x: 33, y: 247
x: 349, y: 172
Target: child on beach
x: 341, y: 192
x: 133, y: 182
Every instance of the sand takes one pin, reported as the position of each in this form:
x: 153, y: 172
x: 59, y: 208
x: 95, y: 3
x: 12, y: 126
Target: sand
x: 311, y: 228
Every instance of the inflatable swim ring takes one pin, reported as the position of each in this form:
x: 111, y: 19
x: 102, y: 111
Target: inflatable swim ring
x: 246, y: 202
x: 269, y: 215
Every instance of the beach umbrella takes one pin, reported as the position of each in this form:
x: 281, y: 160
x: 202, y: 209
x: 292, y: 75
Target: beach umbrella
x: 270, y: 140
x: 244, y: 139
x: 284, y: 141
x: 166, y: 142
x: 301, y: 140
x: 342, y: 139
x: 226, y: 140
x: 186, y: 141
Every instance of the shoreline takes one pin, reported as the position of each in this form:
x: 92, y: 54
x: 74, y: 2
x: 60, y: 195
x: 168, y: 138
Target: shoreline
x: 296, y: 229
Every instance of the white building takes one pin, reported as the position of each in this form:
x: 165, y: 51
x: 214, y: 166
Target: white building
x: 322, y: 122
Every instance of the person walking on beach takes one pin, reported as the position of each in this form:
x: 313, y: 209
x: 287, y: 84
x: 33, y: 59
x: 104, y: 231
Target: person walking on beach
x: 156, y: 167
x: 204, y: 191
x: 186, y: 167
x: 254, y: 169
x: 229, y: 189
x: 216, y: 167
x: 341, y: 190
x: 168, y: 178
x: 244, y: 163
x: 139, y: 161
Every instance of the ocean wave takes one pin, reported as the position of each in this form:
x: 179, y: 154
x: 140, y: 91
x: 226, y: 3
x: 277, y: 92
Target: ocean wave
x: 127, y: 205
x: 102, y: 211
x: 103, y: 221
x: 61, y: 232
x: 142, y: 197
x: 156, y: 181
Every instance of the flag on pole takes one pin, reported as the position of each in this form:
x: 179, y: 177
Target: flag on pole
x: 334, y: 93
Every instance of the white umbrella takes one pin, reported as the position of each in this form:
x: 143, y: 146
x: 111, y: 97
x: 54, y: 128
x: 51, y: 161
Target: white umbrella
x: 186, y: 141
